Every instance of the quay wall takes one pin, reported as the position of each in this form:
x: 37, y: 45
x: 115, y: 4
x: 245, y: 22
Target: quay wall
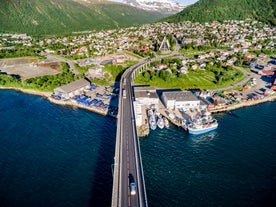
x: 243, y: 104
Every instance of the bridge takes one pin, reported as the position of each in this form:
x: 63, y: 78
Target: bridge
x: 127, y: 161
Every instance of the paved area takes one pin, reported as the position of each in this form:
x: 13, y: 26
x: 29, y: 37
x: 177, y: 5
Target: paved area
x: 262, y: 83
x: 26, y: 68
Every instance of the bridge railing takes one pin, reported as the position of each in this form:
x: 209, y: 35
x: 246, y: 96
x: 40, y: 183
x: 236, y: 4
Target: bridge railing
x: 116, y: 192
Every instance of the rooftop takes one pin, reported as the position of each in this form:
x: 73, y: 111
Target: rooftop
x: 180, y: 95
x: 145, y: 92
x: 74, y: 85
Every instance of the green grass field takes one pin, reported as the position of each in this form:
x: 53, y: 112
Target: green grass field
x: 199, y: 79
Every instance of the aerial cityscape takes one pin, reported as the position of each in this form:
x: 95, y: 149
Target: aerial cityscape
x: 147, y: 103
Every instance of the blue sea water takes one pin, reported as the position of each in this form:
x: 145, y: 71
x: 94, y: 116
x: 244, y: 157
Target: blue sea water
x: 56, y: 156
x: 233, y: 166
x: 52, y: 155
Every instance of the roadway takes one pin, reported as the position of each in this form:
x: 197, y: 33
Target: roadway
x: 128, y: 163
x: 56, y: 58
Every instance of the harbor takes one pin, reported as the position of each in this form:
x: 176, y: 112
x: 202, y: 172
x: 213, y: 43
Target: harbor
x: 180, y: 108
x: 191, y: 121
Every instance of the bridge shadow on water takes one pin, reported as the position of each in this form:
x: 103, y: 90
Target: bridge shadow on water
x: 101, y: 191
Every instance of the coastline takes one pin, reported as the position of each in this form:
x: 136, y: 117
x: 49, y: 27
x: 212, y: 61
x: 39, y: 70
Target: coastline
x: 244, y: 104
x: 28, y: 91
x: 47, y: 95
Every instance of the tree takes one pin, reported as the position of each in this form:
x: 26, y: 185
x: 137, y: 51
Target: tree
x: 146, y: 76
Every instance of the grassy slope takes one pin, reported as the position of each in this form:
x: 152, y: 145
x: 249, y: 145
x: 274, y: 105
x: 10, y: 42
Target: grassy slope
x: 39, y: 17
x: 193, y: 80
x: 209, y: 10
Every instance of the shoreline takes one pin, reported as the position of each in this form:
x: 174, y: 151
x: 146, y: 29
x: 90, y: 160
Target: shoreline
x: 244, y: 104
x: 47, y: 95
x: 28, y: 91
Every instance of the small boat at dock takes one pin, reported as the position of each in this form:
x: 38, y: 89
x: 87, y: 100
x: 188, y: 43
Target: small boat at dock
x: 184, y: 124
x: 166, y: 122
x: 152, y: 122
x: 160, y: 122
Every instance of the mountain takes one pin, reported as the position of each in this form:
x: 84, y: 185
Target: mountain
x: 219, y: 10
x: 43, y: 17
x: 164, y: 6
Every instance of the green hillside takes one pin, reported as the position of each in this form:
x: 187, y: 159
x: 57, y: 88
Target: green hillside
x: 219, y: 10
x: 42, y: 17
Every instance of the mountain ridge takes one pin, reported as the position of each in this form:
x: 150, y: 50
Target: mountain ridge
x: 37, y: 17
x: 219, y: 10
x: 167, y: 6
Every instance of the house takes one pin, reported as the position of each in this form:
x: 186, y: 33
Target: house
x: 70, y: 90
x: 266, y: 73
x: 273, y: 87
x: 180, y: 99
x: 195, y: 67
x: 183, y: 70
x: 160, y: 66
x: 119, y: 61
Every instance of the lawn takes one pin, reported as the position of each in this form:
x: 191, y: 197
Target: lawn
x: 199, y: 79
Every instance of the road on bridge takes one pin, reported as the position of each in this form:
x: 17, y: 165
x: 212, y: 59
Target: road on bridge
x: 128, y: 161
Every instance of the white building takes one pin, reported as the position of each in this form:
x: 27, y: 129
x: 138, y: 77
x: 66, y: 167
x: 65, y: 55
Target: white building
x: 146, y: 96
x: 180, y: 99
x: 138, y: 114
x: 70, y: 90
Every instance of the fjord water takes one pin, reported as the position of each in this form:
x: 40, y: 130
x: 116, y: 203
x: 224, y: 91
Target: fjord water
x: 52, y: 155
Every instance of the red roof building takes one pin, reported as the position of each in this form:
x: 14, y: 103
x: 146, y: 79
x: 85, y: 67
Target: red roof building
x: 266, y: 72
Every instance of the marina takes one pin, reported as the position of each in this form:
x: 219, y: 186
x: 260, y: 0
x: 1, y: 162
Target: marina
x: 191, y: 122
x: 196, y: 119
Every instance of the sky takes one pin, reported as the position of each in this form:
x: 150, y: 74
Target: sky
x: 186, y: 2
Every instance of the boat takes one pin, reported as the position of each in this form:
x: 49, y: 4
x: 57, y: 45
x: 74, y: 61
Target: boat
x: 150, y: 112
x: 160, y: 122
x: 202, y: 125
x: 152, y: 122
x: 166, y: 122
x: 184, y: 124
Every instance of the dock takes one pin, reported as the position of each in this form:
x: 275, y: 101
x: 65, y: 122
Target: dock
x: 174, y: 117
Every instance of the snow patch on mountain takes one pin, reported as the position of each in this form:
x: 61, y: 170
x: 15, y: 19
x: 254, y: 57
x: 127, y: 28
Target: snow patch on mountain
x: 168, y: 6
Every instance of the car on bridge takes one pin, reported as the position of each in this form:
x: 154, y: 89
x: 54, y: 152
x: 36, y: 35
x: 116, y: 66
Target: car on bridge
x: 132, y: 188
